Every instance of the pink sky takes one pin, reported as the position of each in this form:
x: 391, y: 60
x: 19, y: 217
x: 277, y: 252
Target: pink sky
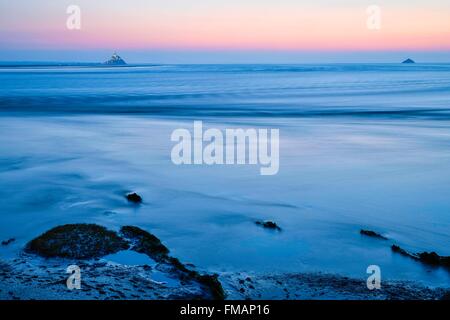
x: 272, y: 27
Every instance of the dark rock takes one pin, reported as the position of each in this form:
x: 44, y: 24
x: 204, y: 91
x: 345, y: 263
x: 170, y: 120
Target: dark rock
x: 446, y: 296
x: 6, y: 242
x: 134, y: 197
x: 401, y: 251
x: 146, y: 267
x: 445, y: 261
x: 372, y: 234
x: 408, y: 61
x: 145, y: 242
x: 175, y: 262
x: 431, y: 258
x: 213, y: 284
x: 78, y: 241
x: 89, y: 241
x: 434, y: 259
x: 268, y: 225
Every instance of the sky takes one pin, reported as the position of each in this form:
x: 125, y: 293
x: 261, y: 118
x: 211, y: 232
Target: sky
x: 226, y: 31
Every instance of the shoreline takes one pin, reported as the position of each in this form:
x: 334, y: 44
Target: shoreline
x: 32, y: 278
x: 148, y: 272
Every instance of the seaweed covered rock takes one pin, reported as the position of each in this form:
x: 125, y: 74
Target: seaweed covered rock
x: 145, y: 242
x: 212, y: 282
x: 86, y: 241
x: 134, y: 197
x: 268, y: 225
x: 372, y: 234
x: 77, y: 241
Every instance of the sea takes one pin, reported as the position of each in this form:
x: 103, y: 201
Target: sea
x: 362, y: 146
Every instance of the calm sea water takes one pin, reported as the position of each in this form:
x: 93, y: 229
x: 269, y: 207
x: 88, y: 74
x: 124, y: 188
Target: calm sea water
x: 362, y: 146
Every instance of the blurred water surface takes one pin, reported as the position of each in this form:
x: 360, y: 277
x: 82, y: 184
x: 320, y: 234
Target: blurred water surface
x: 362, y: 146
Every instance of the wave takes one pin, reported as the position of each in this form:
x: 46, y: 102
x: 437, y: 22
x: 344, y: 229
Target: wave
x: 366, y: 90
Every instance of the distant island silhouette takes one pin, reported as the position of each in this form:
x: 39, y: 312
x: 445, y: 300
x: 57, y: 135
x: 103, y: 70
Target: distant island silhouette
x: 115, y: 60
x: 409, y: 61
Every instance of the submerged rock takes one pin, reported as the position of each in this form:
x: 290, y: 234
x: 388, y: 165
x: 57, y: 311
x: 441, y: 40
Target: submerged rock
x: 268, y: 225
x: 372, y: 234
x: 431, y: 258
x: 78, y: 241
x: 7, y: 242
x: 134, y: 197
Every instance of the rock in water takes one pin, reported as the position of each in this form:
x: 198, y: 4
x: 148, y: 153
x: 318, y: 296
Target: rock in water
x: 77, y: 241
x: 115, y: 60
x: 268, y: 225
x: 401, y: 251
x: 431, y: 258
x: 134, y: 197
x: 145, y: 242
x: 372, y: 234
x: 7, y: 242
x: 434, y: 259
x: 409, y: 61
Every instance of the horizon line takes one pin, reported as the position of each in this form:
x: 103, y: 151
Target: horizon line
x: 92, y: 63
